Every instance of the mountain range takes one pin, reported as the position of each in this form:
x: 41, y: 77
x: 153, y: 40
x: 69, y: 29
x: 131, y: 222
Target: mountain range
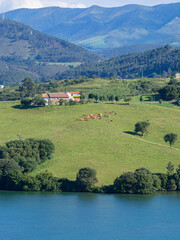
x: 99, y: 28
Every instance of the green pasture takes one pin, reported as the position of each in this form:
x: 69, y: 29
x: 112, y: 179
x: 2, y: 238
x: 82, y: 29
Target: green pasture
x: 108, y: 146
x: 74, y: 64
x: 106, y: 86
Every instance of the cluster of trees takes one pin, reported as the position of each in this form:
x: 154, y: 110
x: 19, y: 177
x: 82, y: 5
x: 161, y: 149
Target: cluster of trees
x: 152, y: 63
x: 36, y: 101
x: 141, y: 181
x: 25, y: 155
x: 171, y: 91
x: 103, y: 97
x: 11, y: 178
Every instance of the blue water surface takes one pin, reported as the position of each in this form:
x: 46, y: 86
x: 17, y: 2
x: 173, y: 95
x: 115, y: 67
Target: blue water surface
x: 83, y: 216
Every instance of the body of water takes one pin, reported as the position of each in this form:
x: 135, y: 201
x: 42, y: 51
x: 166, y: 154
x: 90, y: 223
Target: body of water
x: 84, y: 216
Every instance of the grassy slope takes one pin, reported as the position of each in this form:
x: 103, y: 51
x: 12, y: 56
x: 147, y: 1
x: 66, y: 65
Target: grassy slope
x: 104, y: 86
x: 100, y: 144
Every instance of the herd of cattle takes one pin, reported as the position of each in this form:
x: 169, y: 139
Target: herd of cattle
x: 96, y: 116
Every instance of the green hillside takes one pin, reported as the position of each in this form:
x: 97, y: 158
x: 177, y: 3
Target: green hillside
x: 108, y: 146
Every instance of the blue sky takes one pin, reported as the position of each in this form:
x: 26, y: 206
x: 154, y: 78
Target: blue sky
x: 6, y: 5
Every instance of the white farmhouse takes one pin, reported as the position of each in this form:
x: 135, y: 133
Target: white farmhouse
x: 177, y: 75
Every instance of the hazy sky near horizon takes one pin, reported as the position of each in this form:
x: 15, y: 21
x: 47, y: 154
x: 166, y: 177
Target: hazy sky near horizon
x: 7, y: 5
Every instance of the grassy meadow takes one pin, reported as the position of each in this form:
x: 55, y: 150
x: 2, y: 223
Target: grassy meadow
x: 106, y: 86
x: 108, y: 146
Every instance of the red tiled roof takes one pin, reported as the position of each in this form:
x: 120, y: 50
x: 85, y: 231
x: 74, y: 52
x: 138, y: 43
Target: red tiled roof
x: 58, y: 95
x: 74, y: 92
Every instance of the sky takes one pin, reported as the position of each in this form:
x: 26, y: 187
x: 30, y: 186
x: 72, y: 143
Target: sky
x: 7, y: 5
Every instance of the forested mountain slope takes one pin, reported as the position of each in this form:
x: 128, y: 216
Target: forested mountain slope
x: 27, y: 52
x: 152, y: 63
x: 103, y: 28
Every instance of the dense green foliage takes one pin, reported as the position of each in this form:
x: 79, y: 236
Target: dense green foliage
x: 170, y: 91
x: 142, y: 181
x: 27, y: 153
x: 152, y: 63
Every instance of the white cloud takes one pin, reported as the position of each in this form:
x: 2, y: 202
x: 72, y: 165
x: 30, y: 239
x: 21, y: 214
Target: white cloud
x: 6, y: 5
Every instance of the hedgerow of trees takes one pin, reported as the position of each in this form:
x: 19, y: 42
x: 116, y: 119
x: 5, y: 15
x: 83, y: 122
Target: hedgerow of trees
x: 141, y: 181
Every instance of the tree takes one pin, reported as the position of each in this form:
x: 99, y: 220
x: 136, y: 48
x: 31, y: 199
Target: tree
x: 141, y: 127
x: 27, y: 88
x: 171, y: 138
x: 111, y: 98
x: 102, y: 98
x: 117, y: 98
x: 125, y: 183
x: 85, y: 178
x: 170, y: 92
x: 141, y: 99
x: 144, y: 181
x: 38, y: 101
x: 171, y: 185
x: 170, y: 168
x: 91, y: 95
